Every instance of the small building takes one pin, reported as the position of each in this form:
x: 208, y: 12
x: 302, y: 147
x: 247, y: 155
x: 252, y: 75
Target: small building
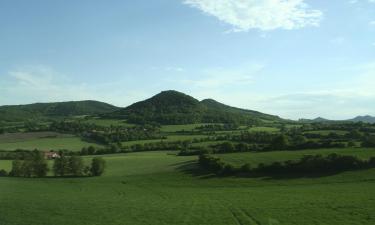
x: 51, y: 155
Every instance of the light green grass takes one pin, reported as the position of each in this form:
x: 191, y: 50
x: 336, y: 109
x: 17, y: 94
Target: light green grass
x: 152, y: 188
x: 69, y: 143
x: 176, y: 128
x: 254, y: 159
x: 264, y: 129
x: 6, y: 165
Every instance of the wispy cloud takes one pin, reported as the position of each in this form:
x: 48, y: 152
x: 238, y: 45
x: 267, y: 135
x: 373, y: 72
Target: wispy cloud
x: 222, y: 77
x: 44, y: 84
x: 264, y: 15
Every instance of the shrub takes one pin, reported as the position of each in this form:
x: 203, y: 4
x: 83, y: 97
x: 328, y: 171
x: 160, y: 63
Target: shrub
x: 97, y: 166
x: 3, y: 173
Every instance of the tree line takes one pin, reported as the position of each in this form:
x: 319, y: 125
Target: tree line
x: 310, y: 164
x: 35, y: 165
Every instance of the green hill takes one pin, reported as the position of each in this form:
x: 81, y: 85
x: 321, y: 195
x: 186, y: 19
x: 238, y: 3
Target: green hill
x: 172, y: 107
x: 57, y: 109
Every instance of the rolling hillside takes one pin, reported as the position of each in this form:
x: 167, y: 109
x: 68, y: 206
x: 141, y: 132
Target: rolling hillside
x: 57, y: 109
x: 364, y: 119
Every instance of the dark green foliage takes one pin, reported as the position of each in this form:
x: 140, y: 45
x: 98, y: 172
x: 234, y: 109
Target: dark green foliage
x: 69, y: 166
x: 369, y: 141
x: 39, y: 165
x: 34, y: 166
x: 3, y: 173
x: 106, y: 135
x: 280, y: 142
x: 61, y: 165
x: 16, y: 168
x: 310, y: 164
x: 75, y: 166
x: 97, y: 166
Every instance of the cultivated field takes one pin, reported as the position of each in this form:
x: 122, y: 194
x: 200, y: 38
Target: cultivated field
x: 159, y: 188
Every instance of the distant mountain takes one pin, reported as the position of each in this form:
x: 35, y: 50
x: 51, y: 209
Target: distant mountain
x: 320, y: 119
x: 173, y: 107
x: 316, y: 120
x: 57, y: 109
x: 364, y: 119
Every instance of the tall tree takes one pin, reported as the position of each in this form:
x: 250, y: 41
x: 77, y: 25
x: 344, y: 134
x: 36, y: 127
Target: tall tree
x: 60, y: 166
x: 76, y: 166
x: 38, y: 164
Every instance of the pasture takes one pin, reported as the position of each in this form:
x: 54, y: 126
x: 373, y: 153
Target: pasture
x: 42, y: 141
x: 159, y: 188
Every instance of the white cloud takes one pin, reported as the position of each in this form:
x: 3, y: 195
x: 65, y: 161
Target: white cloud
x: 265, y: 15
x: 372, y: 23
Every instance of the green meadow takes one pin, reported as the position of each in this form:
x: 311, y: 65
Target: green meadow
x: 43, y: 141
x: 161, y: 188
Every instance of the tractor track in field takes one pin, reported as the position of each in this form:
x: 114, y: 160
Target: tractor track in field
x: 240, y: 216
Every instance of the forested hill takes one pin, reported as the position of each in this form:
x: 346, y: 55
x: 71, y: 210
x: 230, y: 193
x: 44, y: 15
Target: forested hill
x: 57, y: 109
x: 172, y: 107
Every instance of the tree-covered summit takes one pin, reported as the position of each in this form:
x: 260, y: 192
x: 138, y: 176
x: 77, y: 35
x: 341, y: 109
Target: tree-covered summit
x: 173, y: 107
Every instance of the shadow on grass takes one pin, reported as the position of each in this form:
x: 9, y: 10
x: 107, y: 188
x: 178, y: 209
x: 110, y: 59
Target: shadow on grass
x: 192, y: 168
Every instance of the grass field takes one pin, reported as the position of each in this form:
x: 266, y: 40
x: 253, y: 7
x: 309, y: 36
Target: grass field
x: 108, y: 122
x: 42, y: 141
x: 155, y: 188
x: 268, y: 157
x: 264, y: 129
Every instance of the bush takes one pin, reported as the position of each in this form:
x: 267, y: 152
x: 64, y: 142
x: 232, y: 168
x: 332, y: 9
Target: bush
x: 3, y: 173
x: 97, y: 166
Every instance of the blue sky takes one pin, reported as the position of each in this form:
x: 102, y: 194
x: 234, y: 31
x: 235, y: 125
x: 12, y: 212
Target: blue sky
x: 293, y: 58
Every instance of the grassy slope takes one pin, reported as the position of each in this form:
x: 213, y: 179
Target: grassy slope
x: 149, y: 188
x: 42, y: 141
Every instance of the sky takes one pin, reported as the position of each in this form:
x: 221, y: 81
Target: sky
x: 292, y: 58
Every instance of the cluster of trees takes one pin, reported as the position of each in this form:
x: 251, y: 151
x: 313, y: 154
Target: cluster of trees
x: 153, y: 146
x: 316, y: 164
x: 16, y: 154
x: 107, y: 135
x: 74, y: 166
x: 368, y: 141
x: 218, y: 127
x: 35, y: 165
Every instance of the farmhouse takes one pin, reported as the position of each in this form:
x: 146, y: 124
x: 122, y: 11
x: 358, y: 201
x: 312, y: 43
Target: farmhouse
x: 51, y: 155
